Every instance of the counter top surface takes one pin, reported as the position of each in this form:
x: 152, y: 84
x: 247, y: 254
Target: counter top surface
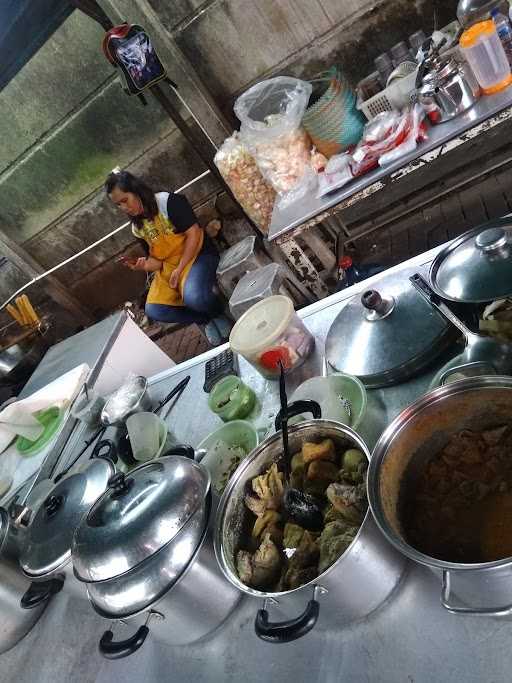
x: 410, y: 639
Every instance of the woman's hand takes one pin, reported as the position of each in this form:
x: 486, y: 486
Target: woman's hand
x: 174, y: 280
x: 147, y: 265
x: 132, y: 262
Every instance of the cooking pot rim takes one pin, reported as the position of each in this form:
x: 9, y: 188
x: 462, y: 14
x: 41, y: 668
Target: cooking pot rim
x: 151, y: 605
x: 221, y: 510
x: 380, y: 452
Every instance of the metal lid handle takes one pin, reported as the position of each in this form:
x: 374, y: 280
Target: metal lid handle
x: 378, y: 307
x: 52, y: 504
x: 491, y: 240
x: 119, y: 484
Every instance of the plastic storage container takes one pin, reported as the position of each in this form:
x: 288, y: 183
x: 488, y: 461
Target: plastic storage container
x: 396, y: 96
x: 401, y: 53
x: 482, y: 48
x: 270, y: 332
x: 384, y: 66
x: 225, y: 448
x: 231, y: 399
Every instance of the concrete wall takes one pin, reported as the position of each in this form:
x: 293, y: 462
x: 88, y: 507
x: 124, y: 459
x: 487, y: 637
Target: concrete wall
x: 233, y: 43
x: 64, y: 121
x: 64, y: 124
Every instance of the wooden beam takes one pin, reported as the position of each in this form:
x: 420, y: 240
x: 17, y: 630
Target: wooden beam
x: 54, y: 288
x: 94, y: 11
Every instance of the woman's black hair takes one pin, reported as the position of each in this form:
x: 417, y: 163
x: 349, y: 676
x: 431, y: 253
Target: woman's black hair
x: 127, y: 182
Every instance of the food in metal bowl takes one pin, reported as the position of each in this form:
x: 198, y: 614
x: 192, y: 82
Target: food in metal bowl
x: 460, y: 509
x: 280, y: 555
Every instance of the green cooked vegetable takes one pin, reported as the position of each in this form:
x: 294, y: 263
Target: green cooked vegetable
x: 293, y: 534
x: 352, y: 459
x: 297, y: 462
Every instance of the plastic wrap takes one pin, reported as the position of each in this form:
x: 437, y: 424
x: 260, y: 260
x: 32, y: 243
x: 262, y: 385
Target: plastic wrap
x: 123, y: 399
x: 337, y: 173
x: 241, y: 173
x: 388, y: 138
x: 270, y: 114
x: 416, y: 132
x: 497, y: 320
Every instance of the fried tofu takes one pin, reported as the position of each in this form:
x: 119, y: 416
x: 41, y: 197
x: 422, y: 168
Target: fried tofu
x: 319, y: 451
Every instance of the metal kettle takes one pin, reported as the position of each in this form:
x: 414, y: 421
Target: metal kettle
x: 471, y: 11
x: 446, y: 87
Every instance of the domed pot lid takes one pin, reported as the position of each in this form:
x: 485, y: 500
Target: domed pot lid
x: 137, y: 516
x: 477, y: 266
x: 386, y: 334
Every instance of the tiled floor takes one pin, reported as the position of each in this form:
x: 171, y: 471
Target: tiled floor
x: 183, y: 343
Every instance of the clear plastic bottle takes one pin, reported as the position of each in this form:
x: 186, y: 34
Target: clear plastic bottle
x: 504, y: 30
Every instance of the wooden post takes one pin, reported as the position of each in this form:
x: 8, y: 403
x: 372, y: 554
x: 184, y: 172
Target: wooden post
x: 194, y: 139
x: 55, y: 289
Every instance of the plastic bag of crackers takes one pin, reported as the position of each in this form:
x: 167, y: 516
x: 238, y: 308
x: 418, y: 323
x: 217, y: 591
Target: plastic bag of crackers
x: 241, y: 173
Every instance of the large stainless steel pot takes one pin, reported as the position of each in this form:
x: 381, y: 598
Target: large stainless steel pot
x: 46, y: 550
x: 353, y: 587
x: 451, y: 88
x: 16, y: 591
x: 418, y: 434
x: 146, y: 549
x: 18, y: 361
x: 477, y: 266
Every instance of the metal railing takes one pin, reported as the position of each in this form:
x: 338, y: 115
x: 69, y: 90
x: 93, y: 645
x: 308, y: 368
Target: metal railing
x: 88, y: 248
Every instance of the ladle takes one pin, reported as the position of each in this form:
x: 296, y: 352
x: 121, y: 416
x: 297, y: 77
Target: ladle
x: 300, y: 507
x: 478, y: 348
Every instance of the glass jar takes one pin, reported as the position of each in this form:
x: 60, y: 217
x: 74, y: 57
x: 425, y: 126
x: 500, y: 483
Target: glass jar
x: 231, y: 399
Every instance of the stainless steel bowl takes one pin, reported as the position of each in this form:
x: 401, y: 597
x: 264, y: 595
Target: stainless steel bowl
x: 116, y: 413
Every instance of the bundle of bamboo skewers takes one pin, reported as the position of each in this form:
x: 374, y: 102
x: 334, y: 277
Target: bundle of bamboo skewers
x: 23, y: 312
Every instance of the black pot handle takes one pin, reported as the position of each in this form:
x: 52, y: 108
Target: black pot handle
x: 297, y: 408
x: 39, y: 592
x: 105, y: 449
x: 181, y: 449
x: 111, y: 649
x: 292, y: 629
x: 424, y: 288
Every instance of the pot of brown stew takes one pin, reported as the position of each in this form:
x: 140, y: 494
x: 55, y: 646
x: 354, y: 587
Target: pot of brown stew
x: 336, y: 575
x: 440, y: 489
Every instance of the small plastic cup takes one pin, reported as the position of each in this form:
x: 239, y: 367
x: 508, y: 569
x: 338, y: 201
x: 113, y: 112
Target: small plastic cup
x: 221, y: 447
x: 147, y: 433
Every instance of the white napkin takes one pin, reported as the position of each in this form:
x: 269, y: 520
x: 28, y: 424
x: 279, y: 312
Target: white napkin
x: 17, y: 418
